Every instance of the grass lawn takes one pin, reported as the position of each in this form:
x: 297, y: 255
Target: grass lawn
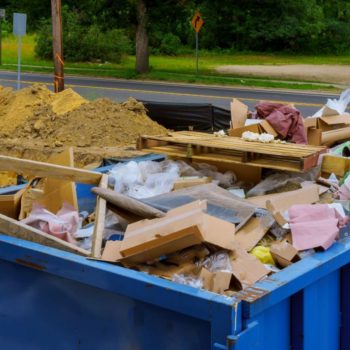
x: 179, y: 68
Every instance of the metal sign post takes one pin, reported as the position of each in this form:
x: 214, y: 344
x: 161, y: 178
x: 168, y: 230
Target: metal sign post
x: 19, y: 29
x: 2, y: 17
x: 197, y: 22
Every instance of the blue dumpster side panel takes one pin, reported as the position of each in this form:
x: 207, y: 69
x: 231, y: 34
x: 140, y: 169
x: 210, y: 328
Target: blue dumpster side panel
x: 43, y: 311
x: 60, y: 287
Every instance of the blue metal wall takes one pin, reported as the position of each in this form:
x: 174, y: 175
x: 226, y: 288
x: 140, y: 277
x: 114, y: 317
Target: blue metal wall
x: 50, y: 299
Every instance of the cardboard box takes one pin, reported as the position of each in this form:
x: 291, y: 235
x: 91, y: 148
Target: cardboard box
x: 10, y: 204
x: 284, y: 253
x: 262, y: 127
x: 182, y: 227
x: 239, y: 115
x: 327, y: 129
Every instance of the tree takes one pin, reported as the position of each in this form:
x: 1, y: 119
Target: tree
x: 141, y: 40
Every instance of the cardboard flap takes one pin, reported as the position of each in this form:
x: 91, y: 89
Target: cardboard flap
x: 279, y: 198
x: 217, y: 282
x: 306, y: 195
x: 336, y: 119
x: 237, y: 132
x: 247, y: 268
x: 266, y: 127
x: 277, y: 205
x: 326, y: 111
x: 253, y: 231
x: 182, y: 227
x: 219, y: 232
x: 310, y: 122
x: 239, y: 113
x: 284, y: 253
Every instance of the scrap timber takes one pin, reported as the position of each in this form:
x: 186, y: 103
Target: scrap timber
x: 202, y: 147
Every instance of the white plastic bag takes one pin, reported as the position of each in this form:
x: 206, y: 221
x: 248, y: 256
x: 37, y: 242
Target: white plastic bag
x: 145, y: 179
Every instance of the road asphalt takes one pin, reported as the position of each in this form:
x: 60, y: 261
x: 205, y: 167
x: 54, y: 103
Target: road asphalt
x: 120, y: 89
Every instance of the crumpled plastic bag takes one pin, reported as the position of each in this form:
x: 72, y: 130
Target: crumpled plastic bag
x: 219, y: 261
x: 63, y: 225
x: 145, y: 179
x: 188, y: 280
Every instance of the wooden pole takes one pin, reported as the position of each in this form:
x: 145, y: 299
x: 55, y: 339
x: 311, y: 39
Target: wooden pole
x: 57, y: 45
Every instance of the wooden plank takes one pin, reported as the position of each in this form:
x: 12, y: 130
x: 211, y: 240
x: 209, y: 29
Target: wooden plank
x: 332, y: 136
x: 334, y: 164
x: 100, y: 217
x: 278, y: 165
x: 210, y: 137
x: 237, y: 144
x: 38, y: 169
x: 14, y: 228
x: 143, y: 211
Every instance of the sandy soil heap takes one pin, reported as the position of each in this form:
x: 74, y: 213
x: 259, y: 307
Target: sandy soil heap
x: 66, y: 118
x: 35, y: 118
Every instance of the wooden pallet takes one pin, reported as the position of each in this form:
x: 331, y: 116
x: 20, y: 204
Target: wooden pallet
x: 203, y: 147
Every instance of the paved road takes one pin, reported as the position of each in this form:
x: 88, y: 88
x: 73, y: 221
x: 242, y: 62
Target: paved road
x: 119, y: 90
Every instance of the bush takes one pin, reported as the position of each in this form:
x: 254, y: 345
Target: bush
x: 80, y: 43
x: 170, y: 44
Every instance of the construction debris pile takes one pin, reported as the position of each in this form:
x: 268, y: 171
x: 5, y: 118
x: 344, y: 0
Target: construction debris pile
x: 218, y: 212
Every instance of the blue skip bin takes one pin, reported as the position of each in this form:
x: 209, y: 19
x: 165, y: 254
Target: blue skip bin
x: 54, y: 300
x: 50, y: 299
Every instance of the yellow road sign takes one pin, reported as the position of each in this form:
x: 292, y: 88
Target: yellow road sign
x: 197, y: 22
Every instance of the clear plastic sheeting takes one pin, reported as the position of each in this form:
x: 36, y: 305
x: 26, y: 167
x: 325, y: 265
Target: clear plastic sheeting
x: 219, y: 261
x: 145, y: 179
x: 277, y: 180
x: 148, y: 179
x: 188, y: 280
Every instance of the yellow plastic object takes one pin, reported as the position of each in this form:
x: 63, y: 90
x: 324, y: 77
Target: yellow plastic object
x: 263, y: 254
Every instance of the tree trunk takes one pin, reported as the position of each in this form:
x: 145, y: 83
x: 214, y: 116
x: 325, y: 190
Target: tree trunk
x: 142, y: 54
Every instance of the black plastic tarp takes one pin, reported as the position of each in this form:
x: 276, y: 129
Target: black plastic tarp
x: 183, y: 116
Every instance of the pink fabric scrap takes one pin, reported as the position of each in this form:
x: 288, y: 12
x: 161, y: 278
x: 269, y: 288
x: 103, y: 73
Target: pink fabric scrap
x: 287, y: 121
x: 63, y: 225
x: 314, y: 226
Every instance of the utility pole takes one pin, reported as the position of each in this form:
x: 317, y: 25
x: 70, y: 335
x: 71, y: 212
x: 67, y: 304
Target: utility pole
x: 57, y: 45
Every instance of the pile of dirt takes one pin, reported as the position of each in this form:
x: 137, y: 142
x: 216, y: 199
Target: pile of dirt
x: 35, y: 122
x: 16, y: 107
x: 101, y: 123
x: 67, y: 119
